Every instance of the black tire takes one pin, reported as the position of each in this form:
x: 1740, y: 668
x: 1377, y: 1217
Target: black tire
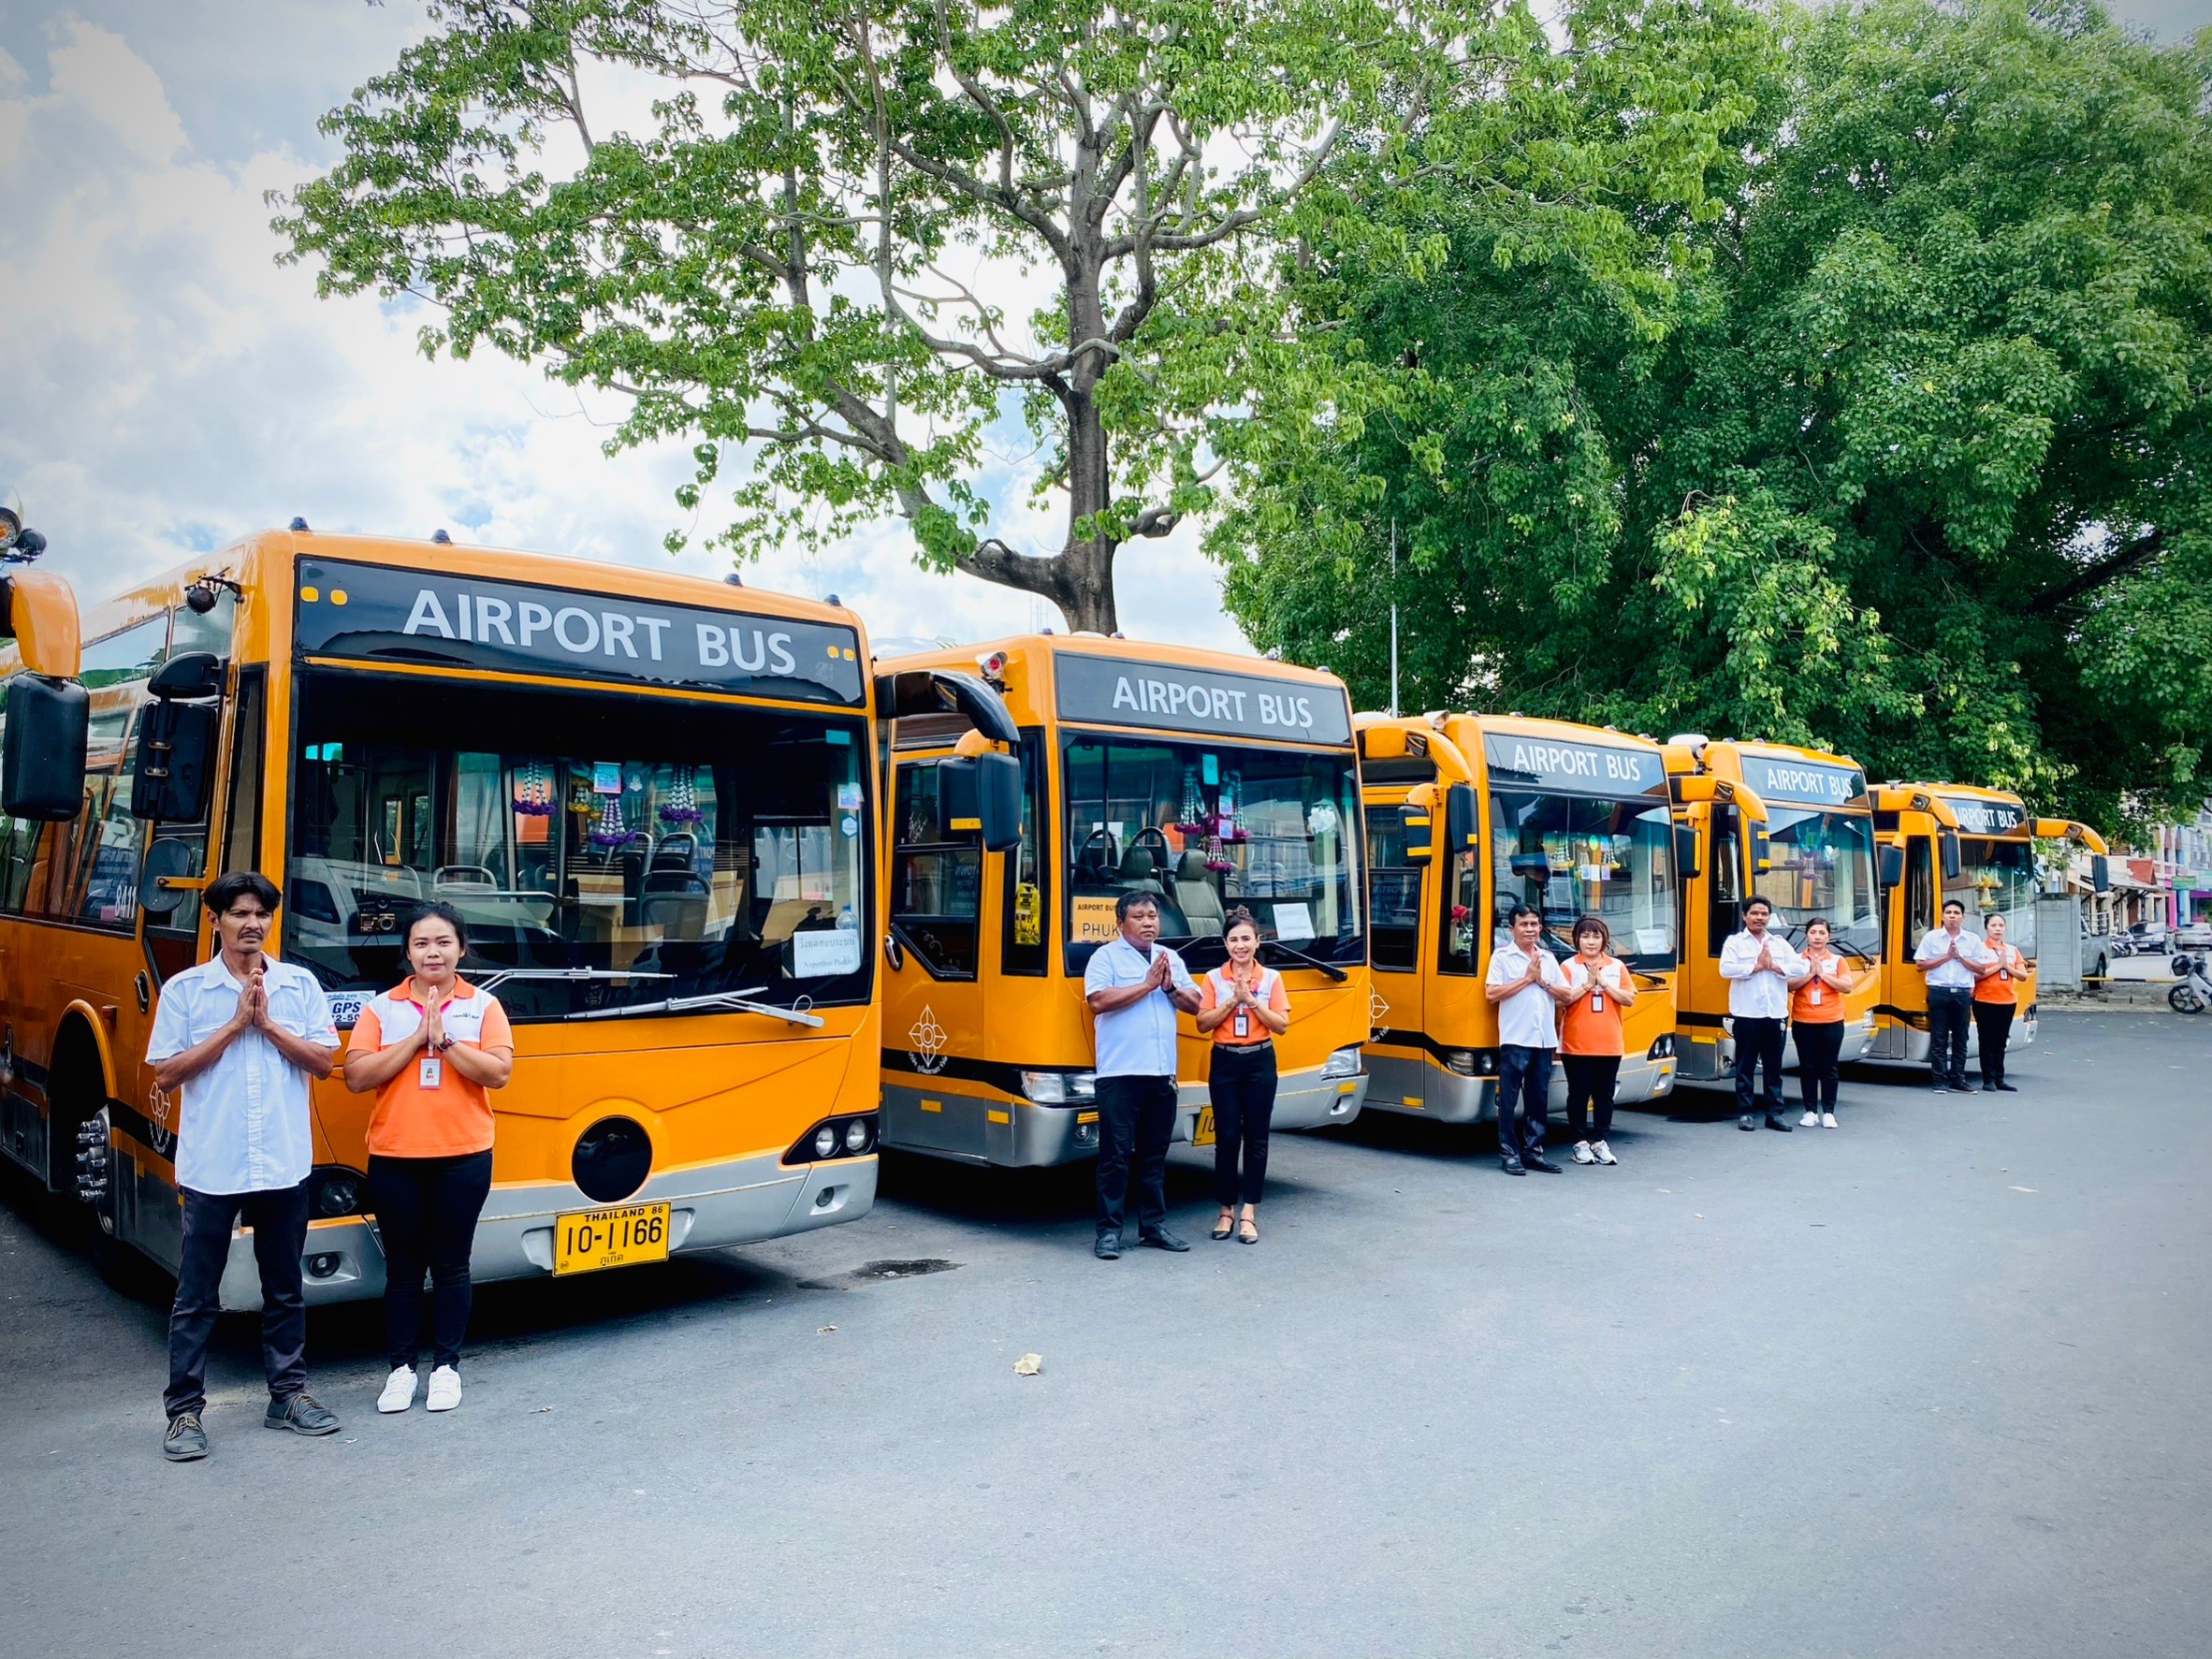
x: 2183, y: 998
x: 2103, y: 970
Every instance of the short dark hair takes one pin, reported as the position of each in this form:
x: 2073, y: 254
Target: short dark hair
x: 1240, y: 917
x: 1131, y: 900
x: 436, y: 911
x: 1594, y: 924
x: 228, y: 889
x: 1956, y: 904
x: 1519, y: 910
x: 1756, y: 902
x: 1822, y: 922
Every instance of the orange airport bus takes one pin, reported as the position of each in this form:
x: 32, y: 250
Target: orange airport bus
x: 1202, y: 780
x: 1953, y: 840
x: 649, y: 796
x: 1470, y: 815
x: 1791, y: 825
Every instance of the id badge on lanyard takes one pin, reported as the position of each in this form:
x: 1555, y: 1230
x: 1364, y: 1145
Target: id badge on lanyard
x: 1597, y: 1001
x: 1243, y: 1017
x: 432, y: 1072
x: 1817, y: 989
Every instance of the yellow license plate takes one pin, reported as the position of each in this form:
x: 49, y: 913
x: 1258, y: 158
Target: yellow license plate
x: 1202, y: 1134
x: 584, y: 1241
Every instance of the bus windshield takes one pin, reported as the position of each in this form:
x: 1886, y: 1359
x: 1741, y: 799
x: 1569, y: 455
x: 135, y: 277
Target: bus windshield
x: 612, y: 853
x: 1204, y: 827
x: 1821, y: 865
x: 1998, y: 878
x: 1581, y: 856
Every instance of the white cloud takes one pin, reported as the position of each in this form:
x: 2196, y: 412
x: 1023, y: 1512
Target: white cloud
x: 169, y: 388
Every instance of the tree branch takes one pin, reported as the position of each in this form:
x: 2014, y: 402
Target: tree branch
x: 2122, y: 560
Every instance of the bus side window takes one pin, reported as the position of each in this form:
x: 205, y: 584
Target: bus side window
x: 1920, y: 909
x: 1723, y: 875
x: 1027, y: 898
x: 936, y: 884
x: 1393, y: 894
x: 241, y: 813
x: 1463, y: 907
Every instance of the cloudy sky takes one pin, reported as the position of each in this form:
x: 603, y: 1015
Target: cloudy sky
x: 164, y: 386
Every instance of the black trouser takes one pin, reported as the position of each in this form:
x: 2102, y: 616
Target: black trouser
x: 1758, y: 1042
x: 426, y: 1215
x: 1590, y: 1079
x: 1948, y: 1011
x: 279, y: 1220
x: 1136, y: 1116
x: 1242, y: 1086
x: 1993, y: 1021
x: 1820, y: 1043
x: 1524, y: 1099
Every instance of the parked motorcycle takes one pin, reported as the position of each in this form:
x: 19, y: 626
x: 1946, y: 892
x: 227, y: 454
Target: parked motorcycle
x: 2194, y: 994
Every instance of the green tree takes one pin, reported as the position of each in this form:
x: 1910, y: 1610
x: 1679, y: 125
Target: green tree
x: 1911, y: 462
x: 798, y: 264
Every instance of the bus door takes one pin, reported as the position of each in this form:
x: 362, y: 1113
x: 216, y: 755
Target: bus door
x: 933, y: 990
x: 1400, y: 891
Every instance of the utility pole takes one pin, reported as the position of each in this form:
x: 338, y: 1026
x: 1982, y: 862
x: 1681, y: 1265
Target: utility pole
x: 1393, y: 618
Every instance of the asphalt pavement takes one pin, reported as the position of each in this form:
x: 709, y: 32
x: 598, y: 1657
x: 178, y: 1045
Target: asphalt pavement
x: 1932, y: 1384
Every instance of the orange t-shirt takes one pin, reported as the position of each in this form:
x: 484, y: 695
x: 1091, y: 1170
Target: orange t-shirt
x: 1817, y: 1002
x: 1214, y: 990
x: 452, y: 1118
x: 1591, y: 1024
x: 2004, y: 984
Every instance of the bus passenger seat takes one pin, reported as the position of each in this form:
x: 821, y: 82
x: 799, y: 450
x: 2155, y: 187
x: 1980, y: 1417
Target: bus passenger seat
x: 1140, y: 874
x: 1197, y: 898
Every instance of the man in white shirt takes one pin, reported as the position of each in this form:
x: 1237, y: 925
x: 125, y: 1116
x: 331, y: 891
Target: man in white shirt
x: 1947, y: 958
x: 241, y: 1035
x: 1134, y: 987
x: 1760, y: 966
x: 1526, y: 985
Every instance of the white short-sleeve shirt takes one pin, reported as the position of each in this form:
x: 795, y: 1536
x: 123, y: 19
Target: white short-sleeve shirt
x: 1529, y: 1018
x: 244, y: 1124
x: 1138, y: 1040
x: 1952, y: 976
x: 1754, y: 995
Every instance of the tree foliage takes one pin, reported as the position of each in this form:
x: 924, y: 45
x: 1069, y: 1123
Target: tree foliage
x: 801, y: 262
x: 1887, y: 430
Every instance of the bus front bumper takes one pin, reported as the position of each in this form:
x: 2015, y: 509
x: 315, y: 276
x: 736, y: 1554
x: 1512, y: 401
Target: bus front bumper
x: 1303, y: 1100
x: 710, y: 1207
x: 1421, y: 1088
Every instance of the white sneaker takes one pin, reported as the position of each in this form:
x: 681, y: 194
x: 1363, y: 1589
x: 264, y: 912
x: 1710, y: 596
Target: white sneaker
x: 1827, y: 1120
x: 1582, y: 1153
x: 445, y: 1389
x: 399, y: 1390
x: 1809, y: 1121
x: 1605, y: 1153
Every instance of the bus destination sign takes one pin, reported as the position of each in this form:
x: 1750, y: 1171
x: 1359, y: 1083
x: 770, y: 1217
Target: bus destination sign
x: 1978, y: 817
x: 1783, y: 777
x: 1119, y: 693
x: 372, y: 613
x: 1516, y: 760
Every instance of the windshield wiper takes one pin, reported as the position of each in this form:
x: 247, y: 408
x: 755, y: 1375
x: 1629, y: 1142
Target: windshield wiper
x: 740, y: 1000
x: 1330, y: 968
x: 505, y: 974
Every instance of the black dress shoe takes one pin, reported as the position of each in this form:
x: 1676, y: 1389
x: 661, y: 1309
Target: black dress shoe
x: 1512, y: 1166
x: 2006, y: 1089
x: 1747, y: 1123
x: 1536, y: 1161
x: 1959, y: 1085
x: 1939, y: 1088
x: 1160, y: 1238
x: 1988, y: 1086
x: 1108, y: 1248
x: 1775, y: 1122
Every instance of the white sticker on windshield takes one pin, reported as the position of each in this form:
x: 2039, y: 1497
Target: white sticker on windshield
x: 1293, y: 922
x: 1653, y: 941
x: 823, y: 950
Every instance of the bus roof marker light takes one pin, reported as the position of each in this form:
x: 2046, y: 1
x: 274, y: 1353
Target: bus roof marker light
x: 299, y: 526
x: 439, y: 537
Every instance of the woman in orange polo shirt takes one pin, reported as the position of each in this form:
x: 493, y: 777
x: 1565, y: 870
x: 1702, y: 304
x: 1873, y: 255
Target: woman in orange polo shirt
x: 1590, y: 1040
x: 1245, y: 1007
x: 431, y: 1048
x: 1816, y: 1023
x: 1997, y: 997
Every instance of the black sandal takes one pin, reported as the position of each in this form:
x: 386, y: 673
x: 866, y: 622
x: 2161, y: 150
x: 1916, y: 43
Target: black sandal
x: 1252, y: 1237
x: 1226, y: 1226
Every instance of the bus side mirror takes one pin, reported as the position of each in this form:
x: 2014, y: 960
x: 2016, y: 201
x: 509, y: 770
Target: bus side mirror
x: 2100, y: 873
x: 1685, y: 850
x: 1762, y: 850
x: 1893, y: 866
x: 177, y: 739
x: 1461, y: 827
x: 1416, y: 829
x: 166, y: 859
x: 982, y: 792
x: 42, y: 753
x: 1952, y: 865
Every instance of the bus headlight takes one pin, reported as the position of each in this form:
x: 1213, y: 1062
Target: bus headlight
x: 1060, y: 1089
x: 825, y: 1141
x: 835, y: 1137
x: 337, y: 1192
x: 1344, y: 1062
x: 856, y: 1136
x: 1662, y: 1047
